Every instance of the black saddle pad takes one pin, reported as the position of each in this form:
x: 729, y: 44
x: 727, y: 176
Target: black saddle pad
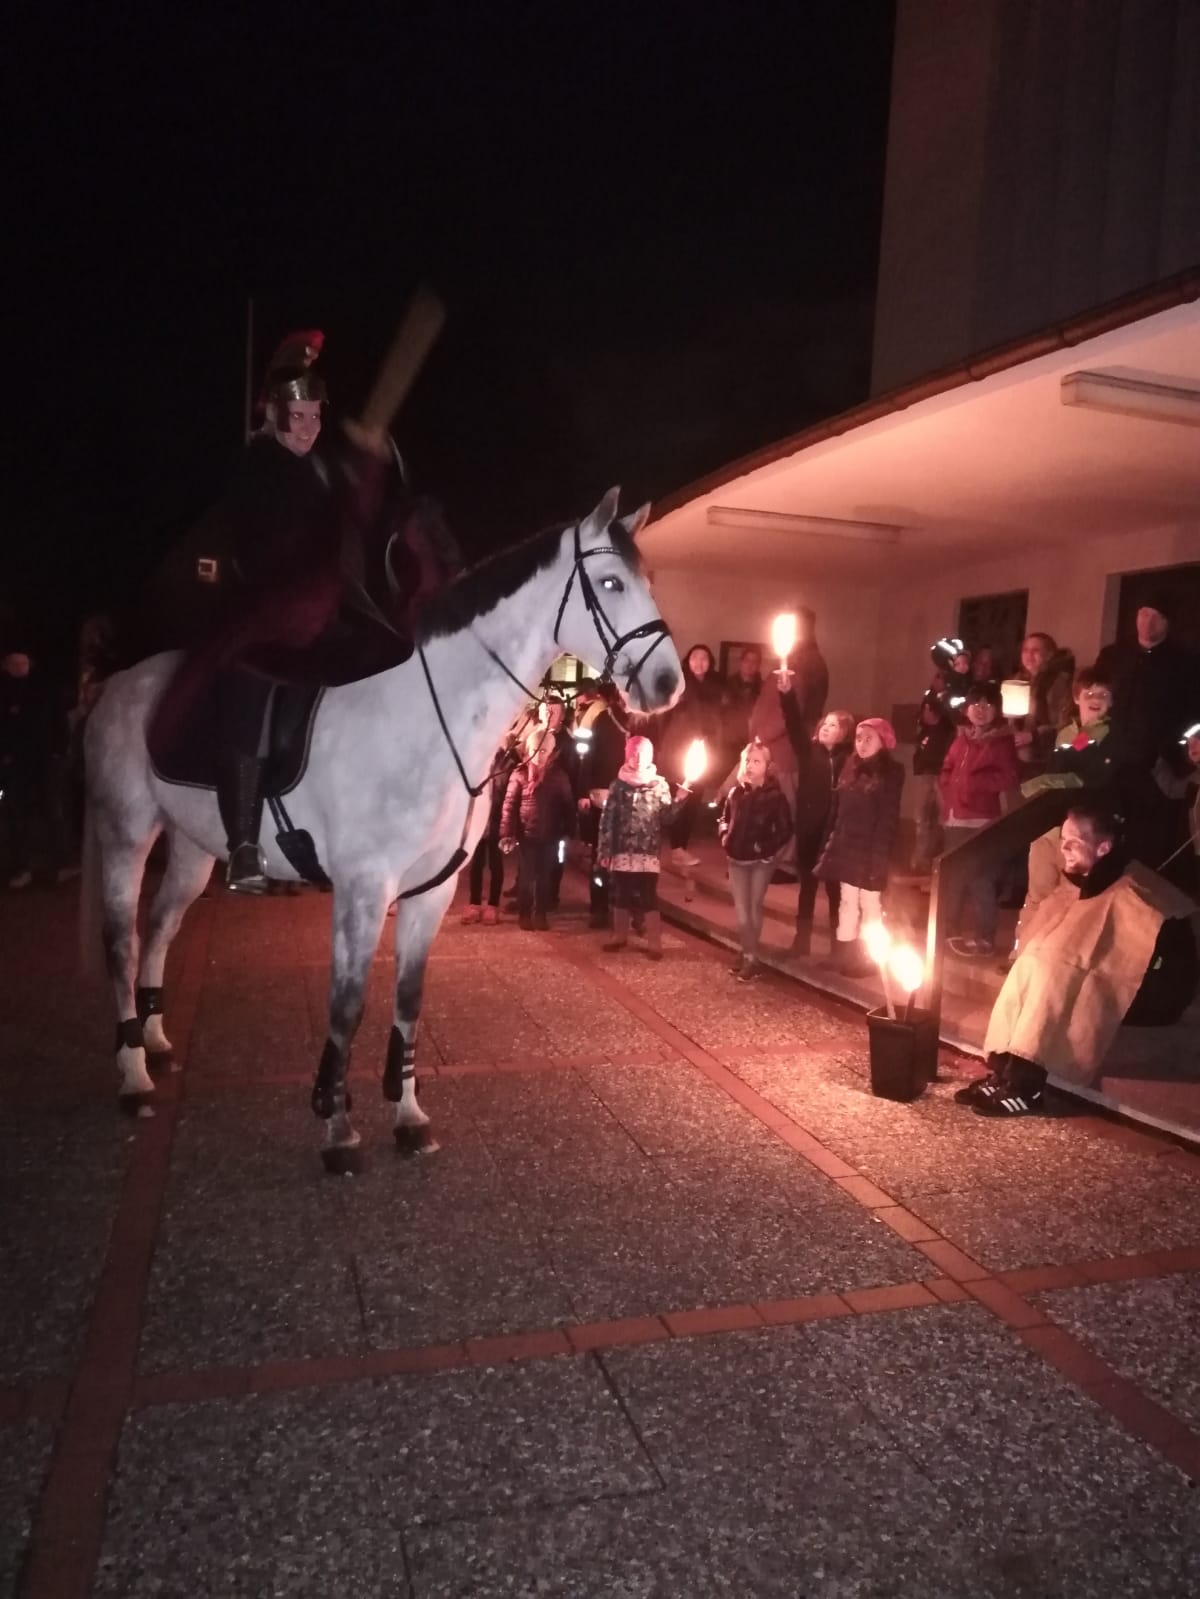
x: 190, y: 756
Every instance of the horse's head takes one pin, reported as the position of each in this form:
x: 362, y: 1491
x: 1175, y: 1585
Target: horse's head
x: 608, y: 617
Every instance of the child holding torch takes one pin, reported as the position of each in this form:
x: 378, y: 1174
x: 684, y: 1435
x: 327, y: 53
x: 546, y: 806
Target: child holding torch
x: 638, y: 811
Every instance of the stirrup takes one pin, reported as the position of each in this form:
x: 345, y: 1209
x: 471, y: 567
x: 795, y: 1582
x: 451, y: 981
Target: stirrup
x: 246, y: 871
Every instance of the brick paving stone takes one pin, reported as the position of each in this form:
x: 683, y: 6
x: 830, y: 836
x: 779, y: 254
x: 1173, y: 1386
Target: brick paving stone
x: 60, y: 1178
x: 297, y: 1494
x: 1146, y: 1330
x: 1068, y: 1220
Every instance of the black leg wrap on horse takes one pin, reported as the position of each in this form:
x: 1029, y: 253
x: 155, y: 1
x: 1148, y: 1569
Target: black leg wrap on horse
x: 401, y: 1064
x: 129, y: 1034
x: 149, y: 1003
x: 324, y: 1094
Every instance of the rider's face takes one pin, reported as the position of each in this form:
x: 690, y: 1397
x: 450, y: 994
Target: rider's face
x: 303, y: 423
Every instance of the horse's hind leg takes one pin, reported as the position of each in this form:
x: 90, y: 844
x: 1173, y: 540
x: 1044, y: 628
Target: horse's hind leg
x: 417, y: 922
x: 359, y: 909
x: 123, y: 862
x: 187, y: 873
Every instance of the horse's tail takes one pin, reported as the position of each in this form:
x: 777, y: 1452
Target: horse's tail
x: 91, y: 924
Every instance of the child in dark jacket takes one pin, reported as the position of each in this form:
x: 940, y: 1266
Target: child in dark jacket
x: 539, y: 811
x: 636, y: 813
x: 858, y: 850
x: 755, y: 825
x: 980, y: 769
x: 821, y: 763
x: 488, y: 855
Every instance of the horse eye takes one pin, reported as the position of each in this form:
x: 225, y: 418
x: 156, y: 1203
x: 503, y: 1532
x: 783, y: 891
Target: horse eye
x: 612, y: 584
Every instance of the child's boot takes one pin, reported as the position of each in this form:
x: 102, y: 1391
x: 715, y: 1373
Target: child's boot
x: 654, y: 935
x: 620, y: 921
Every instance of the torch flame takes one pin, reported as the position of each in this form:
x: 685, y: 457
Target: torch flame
x: 784, y: 631
x: 878, y: 941
x: 907, y: 968
x: 695, y: 762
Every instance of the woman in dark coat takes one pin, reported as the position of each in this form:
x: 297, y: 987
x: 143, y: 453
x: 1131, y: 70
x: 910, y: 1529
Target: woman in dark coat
x: 822, y: 757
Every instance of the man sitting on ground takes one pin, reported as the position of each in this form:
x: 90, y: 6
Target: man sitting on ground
x: 1112, y: 944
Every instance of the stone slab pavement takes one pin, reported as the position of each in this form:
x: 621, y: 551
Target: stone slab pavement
x: 678, y: 1307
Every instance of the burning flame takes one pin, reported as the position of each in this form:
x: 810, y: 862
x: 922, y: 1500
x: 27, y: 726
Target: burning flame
x: 878, y: 941
x: 784, y: 631
x: 695, y: 762
x: 907, y: 968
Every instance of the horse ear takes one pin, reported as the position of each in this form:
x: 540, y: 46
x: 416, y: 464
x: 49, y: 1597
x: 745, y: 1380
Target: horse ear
x: 607, y: 509
x: 636, y: 520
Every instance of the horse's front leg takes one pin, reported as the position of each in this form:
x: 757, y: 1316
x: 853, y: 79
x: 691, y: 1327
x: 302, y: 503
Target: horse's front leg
x: 359, y: 908
x: 417, y: 922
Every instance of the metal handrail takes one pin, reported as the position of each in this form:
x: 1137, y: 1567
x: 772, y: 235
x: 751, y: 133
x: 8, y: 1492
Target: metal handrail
x: 987, y: 847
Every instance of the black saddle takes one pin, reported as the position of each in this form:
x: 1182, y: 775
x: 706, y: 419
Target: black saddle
x: 191, y: 756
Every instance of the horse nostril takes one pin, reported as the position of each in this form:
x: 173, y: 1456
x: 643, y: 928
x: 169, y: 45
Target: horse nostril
x: 665, y: 683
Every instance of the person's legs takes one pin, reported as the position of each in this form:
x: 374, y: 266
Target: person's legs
x: 647, y: 890
x: 788, y: 782
x: 619, y: 893
x: 928, y: 841
x: 848, y: 913
x: 243, y: 705
x: 495, y: 865
x: 543, y: 886
x: 475, y: 882
x: 526, y: 881
x: 740, y: 889
x: 985, y: 902
x: 758, y: 880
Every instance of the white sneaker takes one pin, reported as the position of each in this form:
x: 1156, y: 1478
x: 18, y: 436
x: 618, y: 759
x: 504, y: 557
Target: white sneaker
x: 684, y: 857
x: 21, y: 880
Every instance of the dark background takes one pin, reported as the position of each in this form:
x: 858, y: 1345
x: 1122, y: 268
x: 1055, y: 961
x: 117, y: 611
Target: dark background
x: 655, y: 230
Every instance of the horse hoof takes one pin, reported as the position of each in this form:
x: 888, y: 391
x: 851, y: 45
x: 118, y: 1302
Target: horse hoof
x: 138, y: 1106
x: 414, y: 1140
x: 159, y: 1061
x: 343, y: 1160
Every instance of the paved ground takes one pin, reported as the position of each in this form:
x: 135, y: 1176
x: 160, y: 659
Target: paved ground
x: 679, y: 1309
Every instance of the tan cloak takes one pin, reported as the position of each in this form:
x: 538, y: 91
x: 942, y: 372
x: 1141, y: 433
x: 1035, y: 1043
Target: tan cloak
x: 1079, y: 969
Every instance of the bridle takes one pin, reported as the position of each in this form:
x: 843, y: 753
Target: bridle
x: 611, y: 642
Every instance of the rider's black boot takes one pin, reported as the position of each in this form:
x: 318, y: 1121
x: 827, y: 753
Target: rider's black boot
x: 240, y: 796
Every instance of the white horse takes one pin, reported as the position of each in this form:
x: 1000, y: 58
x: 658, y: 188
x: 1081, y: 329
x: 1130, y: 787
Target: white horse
x: 387, y: 794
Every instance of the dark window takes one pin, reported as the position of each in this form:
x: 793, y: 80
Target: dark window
x: 995, y: 622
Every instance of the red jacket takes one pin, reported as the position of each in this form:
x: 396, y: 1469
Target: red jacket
x: 978, y: 769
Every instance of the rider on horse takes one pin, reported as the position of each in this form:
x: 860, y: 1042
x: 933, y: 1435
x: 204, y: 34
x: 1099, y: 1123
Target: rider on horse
x: 301, y: 524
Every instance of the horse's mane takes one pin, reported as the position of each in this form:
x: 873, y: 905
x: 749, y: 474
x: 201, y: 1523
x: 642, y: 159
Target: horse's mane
x: 484, y: 585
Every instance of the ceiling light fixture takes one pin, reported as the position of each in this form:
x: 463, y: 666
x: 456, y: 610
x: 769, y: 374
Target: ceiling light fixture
x: 823, y: 527
x: 1154, y: 402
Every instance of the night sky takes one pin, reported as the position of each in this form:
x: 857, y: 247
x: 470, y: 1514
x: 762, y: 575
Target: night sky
x: 655, y: 229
